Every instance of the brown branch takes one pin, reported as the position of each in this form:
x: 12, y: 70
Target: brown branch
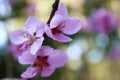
x: 54, y: 9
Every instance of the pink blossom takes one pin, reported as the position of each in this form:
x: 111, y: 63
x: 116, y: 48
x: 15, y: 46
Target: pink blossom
x: 44, y: 63
x: 62, y: 24
x: 31, y: 37
x: 101, y: 21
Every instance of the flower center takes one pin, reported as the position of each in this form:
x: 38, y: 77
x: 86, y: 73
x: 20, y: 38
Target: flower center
x: 58, y: 28
x: 55, y: 30
x: 41, y: 62
x: 33, y: 38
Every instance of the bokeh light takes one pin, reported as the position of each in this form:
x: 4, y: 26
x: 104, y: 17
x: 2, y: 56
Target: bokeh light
x: 76, y: 49
x: 102, y: 40
x: 95, y: 55
x: 3, y: 34
x: 5, y: 9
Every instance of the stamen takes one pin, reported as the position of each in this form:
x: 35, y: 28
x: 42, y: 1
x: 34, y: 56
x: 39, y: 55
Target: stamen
x: 41, y: 62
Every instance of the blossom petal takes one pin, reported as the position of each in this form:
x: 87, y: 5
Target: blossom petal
x: 57, y: 58
x: 36, y: 45
x: 62, y: 38
x: 41, y: 29
x: 45, y: 50
x: 62, y: 10
x: 49, y: 33
x: 58, y: 37
x: 26, y: 58
x: 47, y: 71
x: 30, y: 72
x: 14, y: 49
x: 16, y: 37
x: 72, y: 26
x: 31, y: 24
x: 56, y: 20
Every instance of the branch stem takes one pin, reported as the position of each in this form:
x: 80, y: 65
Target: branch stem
x: 54, y: 9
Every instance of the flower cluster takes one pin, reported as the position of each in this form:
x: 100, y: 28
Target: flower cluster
x: 29, y: 41
x: 101, y: 21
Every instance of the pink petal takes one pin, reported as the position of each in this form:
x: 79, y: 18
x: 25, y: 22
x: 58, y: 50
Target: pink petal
x: 47, y: 71
x: 30, y: 72
x: 14, y: 49
x: 23, y: 47
x: 59, y: 37
x: 31, y: 24
x: 36, y: 45
x: 45, y: 50
x: 56, y: 20
x: 72, y: 26
x: 62, y: 38
x: 57, y: 58
x: 62, y: 10
x: 49, y: 33
x: 26, y: 58
x: 41, y: 29
x: 17, y: 37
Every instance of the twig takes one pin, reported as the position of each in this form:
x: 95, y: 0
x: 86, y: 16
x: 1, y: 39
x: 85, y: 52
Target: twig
x: 54, y: 9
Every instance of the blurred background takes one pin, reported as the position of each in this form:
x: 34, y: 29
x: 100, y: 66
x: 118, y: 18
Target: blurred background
x: 94, y: 53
